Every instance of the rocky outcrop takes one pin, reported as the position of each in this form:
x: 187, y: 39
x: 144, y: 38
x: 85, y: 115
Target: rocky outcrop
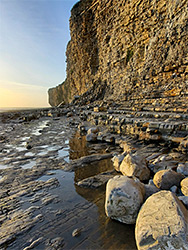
x: 162, y: 223
x: 126, y: 50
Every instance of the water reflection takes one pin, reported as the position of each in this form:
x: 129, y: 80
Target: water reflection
x: 92, y: 169
x: 29, y: 165
x: 110, y: 234
x: 41, y: 126
x: 3, y: 166
x: 76, y: 207
x: 79, y: 147
x: 63, y: 152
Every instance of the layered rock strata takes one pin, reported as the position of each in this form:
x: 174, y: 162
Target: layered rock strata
x: 128, y: 51
x: 169, y: 126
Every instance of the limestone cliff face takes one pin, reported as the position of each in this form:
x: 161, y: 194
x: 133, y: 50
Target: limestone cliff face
x: 125, y: 49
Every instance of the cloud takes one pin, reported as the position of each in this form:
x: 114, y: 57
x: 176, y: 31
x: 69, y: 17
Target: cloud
x: 10, y: 84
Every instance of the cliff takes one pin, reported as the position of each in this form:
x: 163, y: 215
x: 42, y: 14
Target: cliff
x: 126, y: 50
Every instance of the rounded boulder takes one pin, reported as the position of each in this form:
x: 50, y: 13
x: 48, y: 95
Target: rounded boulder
x: 162, y: 223
x: 165, y: 179
x: 184, y: 186
x: 124, y: 197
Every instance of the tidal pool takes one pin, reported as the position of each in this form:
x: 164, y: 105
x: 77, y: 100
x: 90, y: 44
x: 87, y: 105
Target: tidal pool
x: 69, y: 206
x: 2, y: 166
x: 29, y: 165
x: 78, y: 208
x: 38, y: 130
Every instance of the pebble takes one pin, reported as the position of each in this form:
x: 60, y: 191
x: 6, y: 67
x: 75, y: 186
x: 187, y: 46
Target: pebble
x: 76, y: 232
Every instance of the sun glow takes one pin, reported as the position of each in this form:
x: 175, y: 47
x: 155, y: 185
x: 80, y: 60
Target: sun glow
x: 22, y: 95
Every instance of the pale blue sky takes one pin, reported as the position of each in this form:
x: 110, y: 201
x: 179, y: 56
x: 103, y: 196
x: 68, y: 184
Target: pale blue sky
x: 33, y: 39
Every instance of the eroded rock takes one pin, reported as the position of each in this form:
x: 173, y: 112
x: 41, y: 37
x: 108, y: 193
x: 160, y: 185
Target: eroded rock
x: 135, y: 165
x: 162, y: 223
x: 79, y: 163
x: 117, y: 160
x: 92, y: 134
x: 124, y: 196
x: 165, y: 179
x: 17, y: 223
x: 56, y: 243
x: 149, y: 190
x: 184, y: 186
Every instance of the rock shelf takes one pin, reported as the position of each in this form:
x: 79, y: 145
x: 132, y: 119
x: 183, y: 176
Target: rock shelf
x: 40, y: 197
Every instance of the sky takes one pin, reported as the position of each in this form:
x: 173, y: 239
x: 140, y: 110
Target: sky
x: 33, y: 39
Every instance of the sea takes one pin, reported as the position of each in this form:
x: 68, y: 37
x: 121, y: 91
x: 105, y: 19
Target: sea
x: 17, y: 109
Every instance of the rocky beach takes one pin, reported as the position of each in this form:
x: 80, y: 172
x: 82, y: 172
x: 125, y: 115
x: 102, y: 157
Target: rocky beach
x: 54, y: 166
x: 106, y: 166
x: 41, y: 204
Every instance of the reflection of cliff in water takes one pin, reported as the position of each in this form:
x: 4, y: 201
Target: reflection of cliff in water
x: 111, y: 234
x: 79, y: 147
x: 92, y: 169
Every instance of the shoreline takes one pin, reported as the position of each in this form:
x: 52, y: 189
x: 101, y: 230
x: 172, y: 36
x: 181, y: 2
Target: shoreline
x: 36, y: 152
x: 57, y: 167
x: 17, y: 109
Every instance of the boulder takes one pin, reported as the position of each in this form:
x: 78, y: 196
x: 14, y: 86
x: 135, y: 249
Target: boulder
x: 164, y: 165
x: 92, y: 134
x: 184, y: 186
x: 100, y: 109
x: 165, y: 179
x: 135, y: 165
x: 124, y: 197
x: 91, y: 137
x: 162, y: 223
x: 117, y: 160
x: 127, y: 147
x: 174, y: 189
x: 82, y: 128
x: 101, y: 136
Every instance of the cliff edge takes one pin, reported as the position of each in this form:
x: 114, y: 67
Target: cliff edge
x: 126, y: 50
